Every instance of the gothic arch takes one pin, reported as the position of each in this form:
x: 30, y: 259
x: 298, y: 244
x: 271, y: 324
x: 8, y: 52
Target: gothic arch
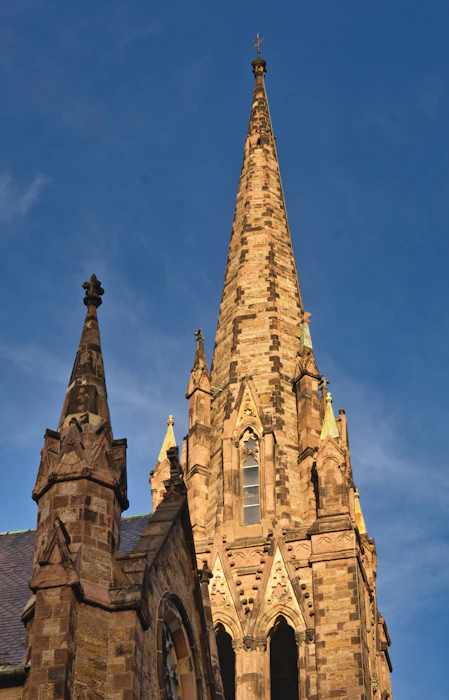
x: 229, y: 623
x: 177, y: 664
x: 268, y: 619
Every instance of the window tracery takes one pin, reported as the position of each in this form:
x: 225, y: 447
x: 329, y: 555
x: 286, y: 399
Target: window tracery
x: 171, y: 680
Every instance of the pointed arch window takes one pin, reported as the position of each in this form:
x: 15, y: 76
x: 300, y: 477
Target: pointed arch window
x: 283, y: 662
x: 250, y: 461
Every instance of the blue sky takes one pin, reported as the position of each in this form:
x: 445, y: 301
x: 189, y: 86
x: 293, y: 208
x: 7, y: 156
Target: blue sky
x: 122, y: 130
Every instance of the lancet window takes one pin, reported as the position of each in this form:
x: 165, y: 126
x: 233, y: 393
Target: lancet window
x: 283, y: 662
x: 250, y: 461
x: 226, y: 657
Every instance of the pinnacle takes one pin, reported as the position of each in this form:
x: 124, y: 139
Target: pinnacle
x: 86, y: 396
x: 169, y: 440
x: 200, y: 354
x: 329, y: 424
x: 199, y: 377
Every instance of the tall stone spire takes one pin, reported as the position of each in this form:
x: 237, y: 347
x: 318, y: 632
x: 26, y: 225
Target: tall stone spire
x: 198, y: 439
x: 283, y: 534
x: 261, y: 301
x: 260, y: 317
x: 86, y: 397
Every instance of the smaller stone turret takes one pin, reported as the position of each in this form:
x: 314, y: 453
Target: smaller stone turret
x: 306, y: 382
x: 198, y: 445
x: 161, y: 471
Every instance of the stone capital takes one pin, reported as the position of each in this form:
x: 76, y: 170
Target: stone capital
x: 300, y: 639
x: 261, y: 643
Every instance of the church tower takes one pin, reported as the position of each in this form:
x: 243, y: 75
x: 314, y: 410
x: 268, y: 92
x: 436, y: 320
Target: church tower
x: 275, y: 512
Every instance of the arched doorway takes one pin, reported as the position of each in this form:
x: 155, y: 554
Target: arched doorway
x: 283, y: 662
x: 226, y: 657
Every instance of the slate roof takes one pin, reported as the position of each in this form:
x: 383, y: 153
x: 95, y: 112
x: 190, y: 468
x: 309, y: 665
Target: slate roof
x: 16, y: 566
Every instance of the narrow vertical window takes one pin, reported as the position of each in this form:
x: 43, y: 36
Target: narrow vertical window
x: 226, y: 656
x: 250, y: 466
x: 283, y: 662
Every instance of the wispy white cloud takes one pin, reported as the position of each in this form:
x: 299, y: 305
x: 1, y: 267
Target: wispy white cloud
x: 16, y: 200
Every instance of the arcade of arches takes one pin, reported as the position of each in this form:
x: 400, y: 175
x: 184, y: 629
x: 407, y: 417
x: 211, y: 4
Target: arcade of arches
x: 284, y: 677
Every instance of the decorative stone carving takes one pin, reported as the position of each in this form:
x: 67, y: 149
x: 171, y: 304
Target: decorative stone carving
x: 220, y: 594
x: 279, y: 588
x: 261, y: 643
x: 249, y: 643
x: 310, y: 635
x: 300, y: 638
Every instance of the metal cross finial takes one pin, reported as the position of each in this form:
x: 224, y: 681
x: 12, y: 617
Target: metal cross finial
x: 258, y: 43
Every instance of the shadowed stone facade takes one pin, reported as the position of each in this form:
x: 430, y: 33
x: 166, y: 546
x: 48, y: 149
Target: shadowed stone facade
x: 100, y: 622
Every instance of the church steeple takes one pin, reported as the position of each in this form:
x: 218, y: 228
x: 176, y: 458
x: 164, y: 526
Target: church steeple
x: 86, y: 397
x: 283, y: 534
x: 260, y: 317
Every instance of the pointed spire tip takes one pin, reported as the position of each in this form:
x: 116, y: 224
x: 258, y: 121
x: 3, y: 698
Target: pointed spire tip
x: 169, y: 440
x: 329, y: 424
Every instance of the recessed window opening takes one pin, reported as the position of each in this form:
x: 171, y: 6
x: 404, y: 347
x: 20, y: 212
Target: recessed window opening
x: 283, y: 662
x: 250, y: 466
x: 226, y: 657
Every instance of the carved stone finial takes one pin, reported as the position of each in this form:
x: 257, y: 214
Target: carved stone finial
x: 259, y: 67
x: 175, y: 484
x: 170, y: 421
x: 306, y: 317
x: 175, y: 467
x: 94, y: 292
x: 199, y: 335
x: 323, y: 383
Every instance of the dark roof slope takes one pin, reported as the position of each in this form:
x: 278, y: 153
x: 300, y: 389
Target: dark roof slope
x: 130, y: 532
x: 16, y: 567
